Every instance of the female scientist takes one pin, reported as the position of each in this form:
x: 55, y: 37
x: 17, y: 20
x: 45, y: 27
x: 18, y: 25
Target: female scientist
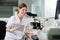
x: 18, y: 24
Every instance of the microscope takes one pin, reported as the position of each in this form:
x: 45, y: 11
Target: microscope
x: 36, y: 23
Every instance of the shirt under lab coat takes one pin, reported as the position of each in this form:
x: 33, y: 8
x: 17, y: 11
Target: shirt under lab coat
x: 17, y: 34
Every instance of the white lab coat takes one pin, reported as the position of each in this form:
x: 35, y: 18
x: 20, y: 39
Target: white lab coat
x: 17, y: 34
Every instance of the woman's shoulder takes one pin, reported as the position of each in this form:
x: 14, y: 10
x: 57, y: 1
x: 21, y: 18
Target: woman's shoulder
x: 12, y: 17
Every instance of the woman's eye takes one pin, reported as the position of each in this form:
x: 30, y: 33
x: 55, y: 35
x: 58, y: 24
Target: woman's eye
x: 24, y: 10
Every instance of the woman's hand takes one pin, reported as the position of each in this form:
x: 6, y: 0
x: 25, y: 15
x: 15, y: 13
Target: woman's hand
x: 29, y: 32
x: 8, y: 30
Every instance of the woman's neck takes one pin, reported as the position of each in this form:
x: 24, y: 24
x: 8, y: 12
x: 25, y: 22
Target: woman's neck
x: 20, y: 17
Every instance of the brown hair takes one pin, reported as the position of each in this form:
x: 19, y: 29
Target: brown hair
x: 21, y: 6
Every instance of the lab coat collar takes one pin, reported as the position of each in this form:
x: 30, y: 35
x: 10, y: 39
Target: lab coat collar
x: 19, y: 19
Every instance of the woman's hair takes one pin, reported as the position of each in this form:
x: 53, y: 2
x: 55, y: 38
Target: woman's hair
x: 21, y: 6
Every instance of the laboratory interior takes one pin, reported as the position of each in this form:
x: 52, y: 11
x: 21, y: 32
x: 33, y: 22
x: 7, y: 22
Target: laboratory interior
x: 43, y: 16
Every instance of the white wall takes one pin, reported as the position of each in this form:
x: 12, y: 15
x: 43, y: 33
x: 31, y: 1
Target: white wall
x: 50, y: 8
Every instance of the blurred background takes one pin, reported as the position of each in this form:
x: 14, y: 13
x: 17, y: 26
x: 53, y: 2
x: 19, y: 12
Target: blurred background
x: 44, y: 13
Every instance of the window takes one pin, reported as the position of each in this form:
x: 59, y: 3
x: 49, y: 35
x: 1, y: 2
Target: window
x: 6, y: 7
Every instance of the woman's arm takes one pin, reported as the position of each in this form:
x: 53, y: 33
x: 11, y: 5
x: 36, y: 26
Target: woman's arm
x: 16, y: 27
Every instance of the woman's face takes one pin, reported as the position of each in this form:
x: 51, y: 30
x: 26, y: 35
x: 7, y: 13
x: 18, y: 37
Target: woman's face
x: 22, y: 11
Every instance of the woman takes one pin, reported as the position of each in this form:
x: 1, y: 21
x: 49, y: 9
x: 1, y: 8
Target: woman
x: 18, y: 25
